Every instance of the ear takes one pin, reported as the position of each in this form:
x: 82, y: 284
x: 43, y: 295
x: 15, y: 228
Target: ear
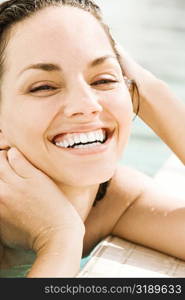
x: 4, y: 145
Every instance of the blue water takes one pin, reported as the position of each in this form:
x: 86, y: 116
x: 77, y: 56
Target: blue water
x: 21, y: 270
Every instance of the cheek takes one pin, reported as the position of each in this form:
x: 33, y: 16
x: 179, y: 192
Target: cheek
x: 24, y: 125
x: 120, y: 107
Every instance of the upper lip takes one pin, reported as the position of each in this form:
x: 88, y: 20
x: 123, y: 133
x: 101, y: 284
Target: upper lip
x: 80, y: 129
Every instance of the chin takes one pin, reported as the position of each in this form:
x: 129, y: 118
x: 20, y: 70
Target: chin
x: 90, y: 177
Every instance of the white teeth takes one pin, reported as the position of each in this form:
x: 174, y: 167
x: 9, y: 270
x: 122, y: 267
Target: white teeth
x: 102, y: 136
x: 97, y: 135
x: 71, y: 141
x: 87, y: 146
x: 60, y: 144
x: 85, y: 137
x: 65, y: 143
x: 91, y: 136
x: 76, y: 139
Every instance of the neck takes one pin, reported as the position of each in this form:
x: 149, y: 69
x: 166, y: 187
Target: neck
x: 82, y: 198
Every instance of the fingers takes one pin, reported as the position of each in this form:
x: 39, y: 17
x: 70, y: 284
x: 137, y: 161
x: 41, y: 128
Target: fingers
x: 133, y: 70
x: 7, y: 174
x: 20, y: 164
x: 125, y: 57
x: 121, y: 51
x: 14, y: 165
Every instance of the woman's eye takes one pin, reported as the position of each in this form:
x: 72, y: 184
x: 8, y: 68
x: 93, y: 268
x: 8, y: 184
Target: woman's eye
x: 104, y: 82
x: 43, y: 88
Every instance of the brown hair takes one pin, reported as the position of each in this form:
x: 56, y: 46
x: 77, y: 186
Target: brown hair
x: 14, y: 11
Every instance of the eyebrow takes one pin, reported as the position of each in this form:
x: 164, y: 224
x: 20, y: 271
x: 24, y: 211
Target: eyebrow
x: 101, y: 60
x: 50, y: 67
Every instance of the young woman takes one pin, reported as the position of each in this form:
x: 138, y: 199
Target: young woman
x: 65, y: 118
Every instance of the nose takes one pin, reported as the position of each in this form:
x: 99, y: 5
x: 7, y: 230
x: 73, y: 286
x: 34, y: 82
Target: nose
x: 82, y: 100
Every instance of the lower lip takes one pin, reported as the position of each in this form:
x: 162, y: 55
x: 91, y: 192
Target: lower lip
x: 89, y: 151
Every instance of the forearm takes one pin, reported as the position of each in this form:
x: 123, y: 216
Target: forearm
x: 159, y: 107
x: 165, y: 114
x: 59, y: 258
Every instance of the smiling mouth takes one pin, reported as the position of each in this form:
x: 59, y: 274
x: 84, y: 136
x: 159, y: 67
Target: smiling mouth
x: 82, y: 140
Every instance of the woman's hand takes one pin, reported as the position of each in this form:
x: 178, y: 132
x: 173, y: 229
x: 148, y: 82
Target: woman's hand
x: 135, y: 72
x: 159, y: 108
x: 34, y: 214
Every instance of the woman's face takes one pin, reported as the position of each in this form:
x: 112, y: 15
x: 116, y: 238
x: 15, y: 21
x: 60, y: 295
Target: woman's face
x: 63, y: 86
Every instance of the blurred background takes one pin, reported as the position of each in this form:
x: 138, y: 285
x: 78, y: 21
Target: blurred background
x: 153, y: 32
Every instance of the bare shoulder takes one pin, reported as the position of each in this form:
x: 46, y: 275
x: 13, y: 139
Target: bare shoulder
x: 127, y: 184
x: 137, y: 209
x: 154, y: 218
x: 125, y: 187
